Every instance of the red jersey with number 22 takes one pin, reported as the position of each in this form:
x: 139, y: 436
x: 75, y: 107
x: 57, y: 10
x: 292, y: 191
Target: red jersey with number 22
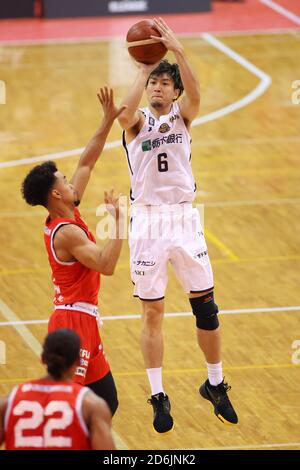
x: 45, y: 414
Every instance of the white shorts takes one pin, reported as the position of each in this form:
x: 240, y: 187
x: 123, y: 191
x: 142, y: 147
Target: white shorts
x: 159, y: 234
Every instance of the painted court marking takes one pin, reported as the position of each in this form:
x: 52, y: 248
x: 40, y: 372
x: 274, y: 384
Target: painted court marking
x: 234, y: 203
x: 172, y: 372
x: 282, y: 11
x: 258, y: 446
x: 14, y: 320
x: 265, y: 81
x: 231, y: 259
x: 95, y: 39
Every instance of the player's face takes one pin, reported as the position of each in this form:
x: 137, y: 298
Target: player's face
x: 160, y: 91
x: 65, y: 189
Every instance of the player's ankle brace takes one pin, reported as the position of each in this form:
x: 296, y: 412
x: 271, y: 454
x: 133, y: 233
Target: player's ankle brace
x: 205, y: 311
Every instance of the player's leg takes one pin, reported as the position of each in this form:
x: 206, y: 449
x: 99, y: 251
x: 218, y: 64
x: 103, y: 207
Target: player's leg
x: 106, y: 389
x: 151, y: 336
x: 193, y: 269
x: 152, y: 349
x: 208, y: 332
x: 214, y: 388
x: 148, y: 265
x: 98, y: 375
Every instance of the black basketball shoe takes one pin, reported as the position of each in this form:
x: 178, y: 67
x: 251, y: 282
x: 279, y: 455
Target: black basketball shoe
x: 217, y: 395
x: 163, y: 421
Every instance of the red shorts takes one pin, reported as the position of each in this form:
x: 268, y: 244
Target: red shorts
x: 93, y: 363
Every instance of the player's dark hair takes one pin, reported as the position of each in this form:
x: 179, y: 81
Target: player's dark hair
x: 172, y: 70
x: 60, y: 351
x: 38, y: 183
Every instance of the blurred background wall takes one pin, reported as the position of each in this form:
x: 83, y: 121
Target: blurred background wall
x: 80, y: 8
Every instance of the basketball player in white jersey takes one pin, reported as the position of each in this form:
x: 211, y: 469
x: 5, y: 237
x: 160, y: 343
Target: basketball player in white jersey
x: 157, y: 144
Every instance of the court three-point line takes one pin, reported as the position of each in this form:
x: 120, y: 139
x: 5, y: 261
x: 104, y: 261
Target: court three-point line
x: 265, y: 81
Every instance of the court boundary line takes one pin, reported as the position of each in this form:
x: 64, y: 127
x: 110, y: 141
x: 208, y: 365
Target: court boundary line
x: 265, y: 82
x: 91, y: 40
x: 213, y: 204
x: 35, y: 346
x: 17, y: 321
x: 172, y: 372
x: 226, y: 250
x: 252, y: 446
x: 229, y: 260
x: 282, y: 11
x: 23, y: 331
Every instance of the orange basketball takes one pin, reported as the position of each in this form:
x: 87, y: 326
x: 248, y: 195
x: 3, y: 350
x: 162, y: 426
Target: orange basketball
x: 143, y: 48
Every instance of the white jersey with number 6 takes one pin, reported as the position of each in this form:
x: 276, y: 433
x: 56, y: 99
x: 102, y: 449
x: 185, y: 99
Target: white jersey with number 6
x: 159, y: 161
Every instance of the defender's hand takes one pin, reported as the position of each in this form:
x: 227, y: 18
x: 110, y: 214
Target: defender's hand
x: 110, y: 110
x: 115, y: 205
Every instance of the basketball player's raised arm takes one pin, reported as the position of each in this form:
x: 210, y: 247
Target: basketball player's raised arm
x: 95, y: 146
x: 3, y: 405
x: 98, y: 419
x: 130, y: 117
x: 190, y: 103
x: 72, y: 244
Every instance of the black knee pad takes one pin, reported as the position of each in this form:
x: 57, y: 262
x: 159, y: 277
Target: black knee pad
x: 205, y: 311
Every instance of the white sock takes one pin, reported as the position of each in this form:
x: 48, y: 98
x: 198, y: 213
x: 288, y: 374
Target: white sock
x: 215, y: 376
x: 155, y: 379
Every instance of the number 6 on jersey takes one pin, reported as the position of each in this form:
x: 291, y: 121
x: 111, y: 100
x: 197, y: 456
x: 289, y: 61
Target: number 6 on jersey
x: 162, y: 162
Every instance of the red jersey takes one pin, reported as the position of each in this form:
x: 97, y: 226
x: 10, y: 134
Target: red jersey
x: 44, y: 414
x: 72, y: 281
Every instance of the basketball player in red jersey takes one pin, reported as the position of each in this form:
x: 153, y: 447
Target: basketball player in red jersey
x: 53, y: 412
x: 74, y: 257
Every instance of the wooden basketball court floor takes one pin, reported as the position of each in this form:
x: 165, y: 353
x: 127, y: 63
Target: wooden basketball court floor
x: 246, y: 148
